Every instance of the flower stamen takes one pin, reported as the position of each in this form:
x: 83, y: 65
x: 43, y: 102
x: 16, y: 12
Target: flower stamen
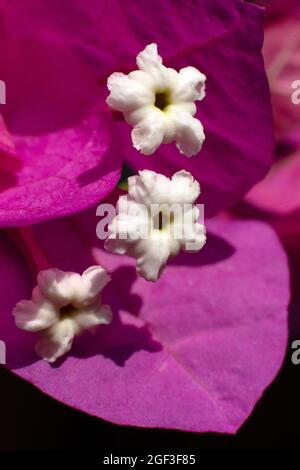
x: 161, y: 221
x: 67, y: 311
x: 162, y: 100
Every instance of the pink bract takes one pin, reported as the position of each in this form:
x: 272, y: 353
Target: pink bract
x: 63, y: 138
x: 222, y: 38
x: 194, y: 352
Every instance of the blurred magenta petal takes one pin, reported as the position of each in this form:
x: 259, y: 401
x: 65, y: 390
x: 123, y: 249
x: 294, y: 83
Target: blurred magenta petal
x: 194, y: 352
x: 6, y: 141
x: 282, y: 57
x: 279, y: 192
x: 275, y: 7
x: 62, y: 134
x: 288, y: 229
x: 9, y: 162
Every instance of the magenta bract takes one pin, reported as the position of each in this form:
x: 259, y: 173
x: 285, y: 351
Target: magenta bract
x: 194, y: 351
x: 62, y: 134
x: 222, y: 38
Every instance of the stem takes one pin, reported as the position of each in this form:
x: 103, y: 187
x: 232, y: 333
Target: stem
x: 24, y: 239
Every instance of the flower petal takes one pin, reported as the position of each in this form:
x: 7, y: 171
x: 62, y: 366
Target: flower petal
x: 279, y: 192
x: 127, y: 94
x: 93, y: 316
x: 132, y: 218
x: 191, y: 85
x: 94, y: 279
x: 56, y: 341
x: 233, y: 294
x: 148, y: 135
x: 6, y: 141
x: 281, y: 53
x: 36, y: 314
x: 194, y: 234
x: 149, y: 187
x: 188, y: 130
x: 63, y: 287
x: 151, y: 62
x: 63, y: 135
x: 150, y: 265
x: 187, y: 189
x: 59, y: 286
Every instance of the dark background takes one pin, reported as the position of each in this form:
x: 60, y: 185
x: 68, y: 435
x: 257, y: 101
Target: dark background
x: 31, y: 420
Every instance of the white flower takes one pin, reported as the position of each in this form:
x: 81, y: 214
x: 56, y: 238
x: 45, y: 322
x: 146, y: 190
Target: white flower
x: 156, y: 220
x: 63, y: 304
x: 159, y: 103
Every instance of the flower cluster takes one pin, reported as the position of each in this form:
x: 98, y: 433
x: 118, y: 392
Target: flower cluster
x: 160, y: 103
x: 64, y: 140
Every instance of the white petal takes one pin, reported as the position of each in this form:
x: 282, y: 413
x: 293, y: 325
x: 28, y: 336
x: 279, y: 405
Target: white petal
x: 127, y: 94
x: 190, y: 85
x: 59, y: 286
x: 150, y: 62
x: 192, y: 234
x: 143, y: 78
x: 36, y: 314
x: 131, y: 223
x: 189, y: 132
x: 149, y: 58
x: 189, y: 107
x: 93, y: 316
x: 148, y: 135
x: 136, y: 116
x: 94, y: 279
x: 185, y: 188
x: 56, y: 341
x: 149, y: 187
x: 151, y: 263
x: 64, y: 288
x: 132, y: 218
x: 194, y: 237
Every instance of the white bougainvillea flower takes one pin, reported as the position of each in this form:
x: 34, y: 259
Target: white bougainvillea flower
x: 63, y: 305
x: 159, y: 103
x: 156, y: 220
